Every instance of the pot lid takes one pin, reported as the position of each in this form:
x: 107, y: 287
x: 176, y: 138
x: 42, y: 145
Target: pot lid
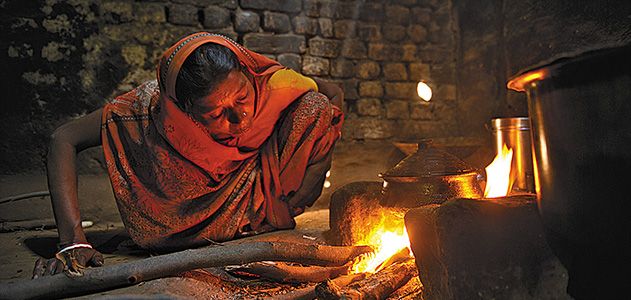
x: 428, y: 161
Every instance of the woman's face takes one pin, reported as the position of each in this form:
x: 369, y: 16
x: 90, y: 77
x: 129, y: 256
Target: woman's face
x: 228, y: 110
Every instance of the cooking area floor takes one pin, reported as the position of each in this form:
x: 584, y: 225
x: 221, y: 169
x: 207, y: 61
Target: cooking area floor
x: 357, y: 161
x: 354, y: 171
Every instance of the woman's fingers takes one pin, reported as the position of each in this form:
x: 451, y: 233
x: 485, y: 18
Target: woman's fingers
x: 97, y: 260
x: 45, y: 267
x: 337, y: 101
x: 40, y: 268
x: 53, y: 266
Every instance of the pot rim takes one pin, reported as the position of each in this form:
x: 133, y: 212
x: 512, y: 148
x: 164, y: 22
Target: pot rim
x: 552, y: 67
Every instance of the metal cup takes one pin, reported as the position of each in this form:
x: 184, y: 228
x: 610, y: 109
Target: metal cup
x: 515, y: 133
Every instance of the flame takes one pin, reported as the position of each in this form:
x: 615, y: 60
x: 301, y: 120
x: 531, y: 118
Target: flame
x: 424, y: 91
x: 387, y: 241
x: 498, y: 174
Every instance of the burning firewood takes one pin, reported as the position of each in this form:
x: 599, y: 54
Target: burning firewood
x: 309, y: 293
x: 288, y: 273
x: 376, y: 286
x: 125, y: 274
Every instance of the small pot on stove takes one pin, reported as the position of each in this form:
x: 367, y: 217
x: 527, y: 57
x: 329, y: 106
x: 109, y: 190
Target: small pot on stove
x: 429, y: 176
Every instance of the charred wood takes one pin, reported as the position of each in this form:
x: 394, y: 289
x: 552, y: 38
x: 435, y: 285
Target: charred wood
x: 289, y: 273
x: 309, y: 293
x: 376, y: 286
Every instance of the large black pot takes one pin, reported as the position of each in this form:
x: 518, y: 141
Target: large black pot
x: 580, y: 110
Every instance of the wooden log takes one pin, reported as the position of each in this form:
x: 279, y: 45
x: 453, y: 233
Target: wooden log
x: 42, y: 224
x: 376, y: 286
x: 402, y: 255
x: 39, y: 224
x: 24, y: 196
x: 309, y: 293
x: 125, y: 274
x: 287, y: 273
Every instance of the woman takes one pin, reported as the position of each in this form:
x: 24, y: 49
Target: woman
x: 225, y: 143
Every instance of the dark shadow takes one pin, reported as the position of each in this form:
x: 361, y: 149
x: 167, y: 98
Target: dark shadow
x: 115, y: 241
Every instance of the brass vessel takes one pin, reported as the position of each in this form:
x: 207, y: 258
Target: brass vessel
x: 429, y: 176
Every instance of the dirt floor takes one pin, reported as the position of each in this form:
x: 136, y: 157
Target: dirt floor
x: 357, y: 161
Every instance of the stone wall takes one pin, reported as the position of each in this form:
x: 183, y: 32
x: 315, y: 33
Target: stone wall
x: 65, y: 58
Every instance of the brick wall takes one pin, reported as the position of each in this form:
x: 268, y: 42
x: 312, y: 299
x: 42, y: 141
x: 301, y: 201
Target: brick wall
x: 66, y: 58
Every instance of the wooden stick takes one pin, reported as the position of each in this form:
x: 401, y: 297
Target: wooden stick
x: 24, y: 196
x: 376, y: 286
x: 402, y: 255
x: 125, y: 274
x: 9, y: 226
x: 309, y: 293
x: 286, y: 273
x: 40, y: 224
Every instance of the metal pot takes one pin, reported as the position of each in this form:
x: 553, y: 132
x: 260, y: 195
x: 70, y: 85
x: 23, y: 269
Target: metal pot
x: 580, y: 111
x: 428, y: 176
x: 514, y: 132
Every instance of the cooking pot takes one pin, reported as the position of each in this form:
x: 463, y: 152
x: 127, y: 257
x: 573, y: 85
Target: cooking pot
x: 514, y: 133
x: 580, y: 111
x: 428, y: 176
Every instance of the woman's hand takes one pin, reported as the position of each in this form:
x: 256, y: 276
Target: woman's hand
x: 333, y: 91
x: 73, y: 261
x: 311, y: 187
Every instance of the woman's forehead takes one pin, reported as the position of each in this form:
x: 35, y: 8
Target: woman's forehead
x: 232, y: 84
x: 229, y: 88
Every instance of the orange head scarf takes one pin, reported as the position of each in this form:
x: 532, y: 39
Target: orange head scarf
x: 189, y: 137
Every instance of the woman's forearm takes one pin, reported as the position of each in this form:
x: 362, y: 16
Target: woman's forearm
x: 62, y: 183
x: 68, y: 140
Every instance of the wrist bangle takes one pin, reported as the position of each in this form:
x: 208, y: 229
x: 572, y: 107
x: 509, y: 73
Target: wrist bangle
x: 75, y: 246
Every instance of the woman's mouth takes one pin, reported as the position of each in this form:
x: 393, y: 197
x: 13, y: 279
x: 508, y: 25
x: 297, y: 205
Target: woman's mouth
x: 240, y: 130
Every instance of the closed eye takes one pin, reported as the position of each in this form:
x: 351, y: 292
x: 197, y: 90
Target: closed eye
x: 243, y: 98
x: 216, y: 113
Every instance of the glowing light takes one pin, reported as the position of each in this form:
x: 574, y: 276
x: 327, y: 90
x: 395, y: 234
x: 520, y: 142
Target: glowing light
x: 424, y: 91
x: 498, y: 174
x: 519, y: 83
x: 533, y: 76
x: 388, y: 238
x: 327, y: 184
x: 328, y: 173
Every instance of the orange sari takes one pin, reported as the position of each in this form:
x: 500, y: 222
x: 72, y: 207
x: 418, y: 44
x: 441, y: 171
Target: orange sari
x: 177, y: 187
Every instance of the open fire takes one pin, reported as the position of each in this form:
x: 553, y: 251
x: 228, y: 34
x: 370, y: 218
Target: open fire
x: 499, y: 179
x: 388, y: 239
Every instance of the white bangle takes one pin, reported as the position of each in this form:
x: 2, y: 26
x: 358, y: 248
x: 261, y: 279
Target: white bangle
x: 75, y: 246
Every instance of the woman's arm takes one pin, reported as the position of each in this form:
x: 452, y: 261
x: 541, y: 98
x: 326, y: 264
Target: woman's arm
x: 68, y: 140
x: 333, y: 91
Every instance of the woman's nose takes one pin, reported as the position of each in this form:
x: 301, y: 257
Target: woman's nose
x: 235, y: 116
